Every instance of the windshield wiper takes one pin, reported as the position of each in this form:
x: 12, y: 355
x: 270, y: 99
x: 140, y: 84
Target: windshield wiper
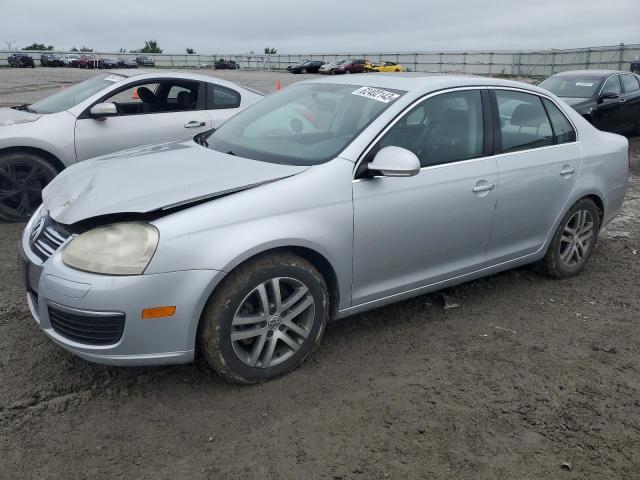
x: 25, y: 107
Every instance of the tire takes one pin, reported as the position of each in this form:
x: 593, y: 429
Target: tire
x: 348, y: 72
x: 568, y: 253
x: 23, y: 175
x: 304, y: 70
x: 248, y: 360
x: 332, y: 72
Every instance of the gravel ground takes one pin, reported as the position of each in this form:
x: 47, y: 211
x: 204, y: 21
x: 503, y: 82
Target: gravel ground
x: 526, y: 374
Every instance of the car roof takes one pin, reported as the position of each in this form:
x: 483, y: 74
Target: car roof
x: 143, y: 74
x: 591, y: 73
x: 415, y: 82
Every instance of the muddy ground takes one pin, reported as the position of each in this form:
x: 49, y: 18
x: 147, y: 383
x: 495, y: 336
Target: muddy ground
x: 526, y: 374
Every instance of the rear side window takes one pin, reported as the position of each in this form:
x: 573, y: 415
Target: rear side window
x: 630, y: 83
x: 524, y: 123
x: 612, y: 85
x: 219, y: 97
x: 562, y: 128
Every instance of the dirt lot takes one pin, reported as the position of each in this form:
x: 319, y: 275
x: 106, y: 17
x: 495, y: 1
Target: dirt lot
x: 526, y: 374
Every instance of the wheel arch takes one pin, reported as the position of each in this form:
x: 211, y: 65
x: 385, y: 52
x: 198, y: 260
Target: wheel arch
x: 48, y: 156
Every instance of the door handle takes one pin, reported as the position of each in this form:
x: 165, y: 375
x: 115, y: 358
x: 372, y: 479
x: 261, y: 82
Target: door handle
x: 194, y: 124
x: 567, y: 171
x: 622, y: 100
x: 483, y: 188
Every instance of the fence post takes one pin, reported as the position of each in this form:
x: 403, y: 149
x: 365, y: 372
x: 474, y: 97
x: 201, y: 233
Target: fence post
x: 440, y: 63
x: 588, y: 58
x: 490, y: 62
x: 415, y: 63
x: 553, y: 63
x: 621, y: 56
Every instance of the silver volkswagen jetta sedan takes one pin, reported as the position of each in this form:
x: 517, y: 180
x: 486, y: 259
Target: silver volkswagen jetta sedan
x: 325, y: 199
x: 108, y: 112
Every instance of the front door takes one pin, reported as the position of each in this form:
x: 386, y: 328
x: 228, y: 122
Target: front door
x: 609, y: 115
x: 154, y: 112
x: 411, y: 232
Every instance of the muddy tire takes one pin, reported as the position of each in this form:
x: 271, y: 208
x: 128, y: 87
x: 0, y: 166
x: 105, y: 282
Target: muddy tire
x: 573, y: 241
x: 264, y: 319
x: 23, y: 175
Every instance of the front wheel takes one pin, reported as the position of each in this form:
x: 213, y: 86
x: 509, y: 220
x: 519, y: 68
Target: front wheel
x: 574, y: 241
x: 23, y: 175
x: 265, y: 318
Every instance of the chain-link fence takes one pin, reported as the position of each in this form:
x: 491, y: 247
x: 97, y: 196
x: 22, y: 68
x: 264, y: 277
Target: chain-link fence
x: 511, y: 63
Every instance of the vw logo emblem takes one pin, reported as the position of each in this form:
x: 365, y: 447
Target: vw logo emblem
x: 274, y: 321
x: 37, y: 229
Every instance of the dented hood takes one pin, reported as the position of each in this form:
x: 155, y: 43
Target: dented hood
x: 10, y: 116
x: 151, y: 178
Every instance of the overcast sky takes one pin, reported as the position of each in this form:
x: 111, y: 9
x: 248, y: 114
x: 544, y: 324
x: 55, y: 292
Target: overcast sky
x: 320, y: 26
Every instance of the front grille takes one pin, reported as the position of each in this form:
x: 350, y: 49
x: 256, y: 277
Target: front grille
x: 86, y: 328
x: 46, y: 236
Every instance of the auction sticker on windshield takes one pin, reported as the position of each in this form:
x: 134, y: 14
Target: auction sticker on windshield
x: 584, y: 84
x: 376, y: 94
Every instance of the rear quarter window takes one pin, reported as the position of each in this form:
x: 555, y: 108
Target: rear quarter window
x: 219, y: 97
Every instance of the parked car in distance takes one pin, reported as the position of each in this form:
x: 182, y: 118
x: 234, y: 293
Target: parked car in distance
x: 88, y: 61
x: 222, y: 64
x: 608, y: 99
x: 108, y: 112
x: 310, y: 66
x: 107, y: 62
x: 51, y: 60
x: 145, y: 61
x: 358, y: 65
x: 70, y: 60
x: 124, y: 62
x: 329, y: 67
x: 231, y: 245
x: 635, y: 67
x: 20, y: 60
x: 386, y: 67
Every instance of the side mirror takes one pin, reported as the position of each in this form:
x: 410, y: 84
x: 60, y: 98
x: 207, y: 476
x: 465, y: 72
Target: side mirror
x: 102, y: 110
x: 395, y: 162
x: 608, y: 95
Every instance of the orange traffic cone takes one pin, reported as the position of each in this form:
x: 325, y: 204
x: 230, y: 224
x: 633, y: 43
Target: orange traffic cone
x: 135, y: 94
x: 278, y: 86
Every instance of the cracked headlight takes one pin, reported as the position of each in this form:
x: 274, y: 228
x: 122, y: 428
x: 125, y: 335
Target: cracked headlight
x: 118, y: 249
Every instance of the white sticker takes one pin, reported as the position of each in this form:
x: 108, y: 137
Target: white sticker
x: 114, y: 78
x: 376, y: 94
x: 584, y: 84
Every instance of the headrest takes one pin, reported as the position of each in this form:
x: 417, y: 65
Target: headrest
x: 527, y: 115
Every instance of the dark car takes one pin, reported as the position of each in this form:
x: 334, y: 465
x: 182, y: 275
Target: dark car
x: 127, y: 63
x: 145, y: 61
x: 51, y: 60
x: 309, y: 66
x: 222, y: 64
x: 20, y: 60
x: 635, y: 67
x: 88, y: 61
x: 357, y: 65
x: 609, y: 99
x: 107, y: 62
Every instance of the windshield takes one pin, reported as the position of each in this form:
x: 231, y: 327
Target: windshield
x: 71, y: 96
x: 303, y: 124
x: 572, y: 87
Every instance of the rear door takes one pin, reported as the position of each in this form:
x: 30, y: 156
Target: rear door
x: 539, y: 162
x: 176, y: 111
x: 631, y: 95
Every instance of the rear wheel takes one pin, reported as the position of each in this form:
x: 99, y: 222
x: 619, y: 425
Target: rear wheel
x: 573, y: 241
x: 23, y: 175
x: 265, y: 319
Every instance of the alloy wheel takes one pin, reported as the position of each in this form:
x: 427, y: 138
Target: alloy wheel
x: 272, y: 322
x: 21, y: 184
x: 576, y: 238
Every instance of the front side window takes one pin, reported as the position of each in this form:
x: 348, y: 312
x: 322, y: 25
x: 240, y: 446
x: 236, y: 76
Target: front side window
x: 219, y: 97
x: 524, y: 123
x: 562, y: 128
x: 612, y: 85
x: 442, y: 129
x: 630, y: 83
x: 156, y: 97
x: 304, y: 124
